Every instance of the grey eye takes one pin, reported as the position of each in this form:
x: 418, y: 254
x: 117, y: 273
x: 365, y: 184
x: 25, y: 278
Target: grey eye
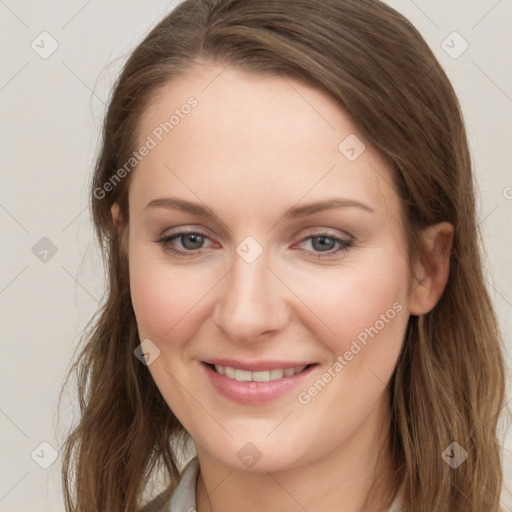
x: 192, y: 241
x: 323, y: 243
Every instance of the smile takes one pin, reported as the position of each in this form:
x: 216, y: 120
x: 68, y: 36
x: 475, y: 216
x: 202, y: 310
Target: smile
x: 256, y: 383
x: 261, y: 376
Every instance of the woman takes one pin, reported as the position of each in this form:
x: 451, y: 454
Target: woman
x: 285, y: 201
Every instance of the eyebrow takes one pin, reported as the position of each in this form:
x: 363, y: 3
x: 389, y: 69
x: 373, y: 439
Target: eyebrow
x: 293, y: 212
x: 328, y: 204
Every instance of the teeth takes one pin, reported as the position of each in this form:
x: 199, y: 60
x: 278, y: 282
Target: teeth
x: 276, y: 374
x: 262, y: 376
x: 243, y: 375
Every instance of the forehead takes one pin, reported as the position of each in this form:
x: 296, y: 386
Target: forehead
x: 256, y: 139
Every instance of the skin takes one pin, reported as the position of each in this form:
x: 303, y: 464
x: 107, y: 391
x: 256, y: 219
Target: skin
x: 253, y: 147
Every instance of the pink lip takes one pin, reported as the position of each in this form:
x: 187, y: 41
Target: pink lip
x: 255, y: 393
x: 257, y: 366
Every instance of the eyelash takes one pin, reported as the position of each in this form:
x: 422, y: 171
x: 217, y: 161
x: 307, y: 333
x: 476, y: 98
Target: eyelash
x: 345, y: 244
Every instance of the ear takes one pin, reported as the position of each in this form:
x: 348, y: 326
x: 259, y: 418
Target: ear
x: 117, y: 218
x: 431, y: 268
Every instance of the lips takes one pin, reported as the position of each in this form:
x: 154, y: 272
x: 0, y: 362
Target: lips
x: 256, y: 382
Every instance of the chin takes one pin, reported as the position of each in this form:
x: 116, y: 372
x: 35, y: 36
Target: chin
x: 260, y: 454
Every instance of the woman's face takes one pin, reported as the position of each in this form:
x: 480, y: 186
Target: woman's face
x: 294, y: 281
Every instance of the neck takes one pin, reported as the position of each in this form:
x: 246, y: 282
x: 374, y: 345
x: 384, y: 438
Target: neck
x: 355, y: 476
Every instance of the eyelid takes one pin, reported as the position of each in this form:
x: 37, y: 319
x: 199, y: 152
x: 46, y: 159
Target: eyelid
x: 184, y: 230
x: 329, y: 232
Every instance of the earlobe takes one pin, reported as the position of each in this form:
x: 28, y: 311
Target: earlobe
x: 431, y: 268
x: 117, y: 218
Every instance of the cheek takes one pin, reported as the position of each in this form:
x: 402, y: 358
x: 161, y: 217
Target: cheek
x: 363, y: 302
x: 166, y: 300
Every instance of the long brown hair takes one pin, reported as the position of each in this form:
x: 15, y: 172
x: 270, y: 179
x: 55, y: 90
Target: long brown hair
x: 449, y: 382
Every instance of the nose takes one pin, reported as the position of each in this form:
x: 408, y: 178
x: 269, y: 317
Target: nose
x: 252, y: 303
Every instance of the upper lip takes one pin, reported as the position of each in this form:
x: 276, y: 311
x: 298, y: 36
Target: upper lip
x: 257, y: 366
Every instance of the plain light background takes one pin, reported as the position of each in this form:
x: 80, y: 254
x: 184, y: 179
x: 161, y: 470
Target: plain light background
x: 51, y: 111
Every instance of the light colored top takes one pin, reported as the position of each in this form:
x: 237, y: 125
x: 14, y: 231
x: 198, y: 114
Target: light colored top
x: 184, y: 497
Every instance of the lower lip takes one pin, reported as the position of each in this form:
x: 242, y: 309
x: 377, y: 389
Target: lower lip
x: 254, y: 392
